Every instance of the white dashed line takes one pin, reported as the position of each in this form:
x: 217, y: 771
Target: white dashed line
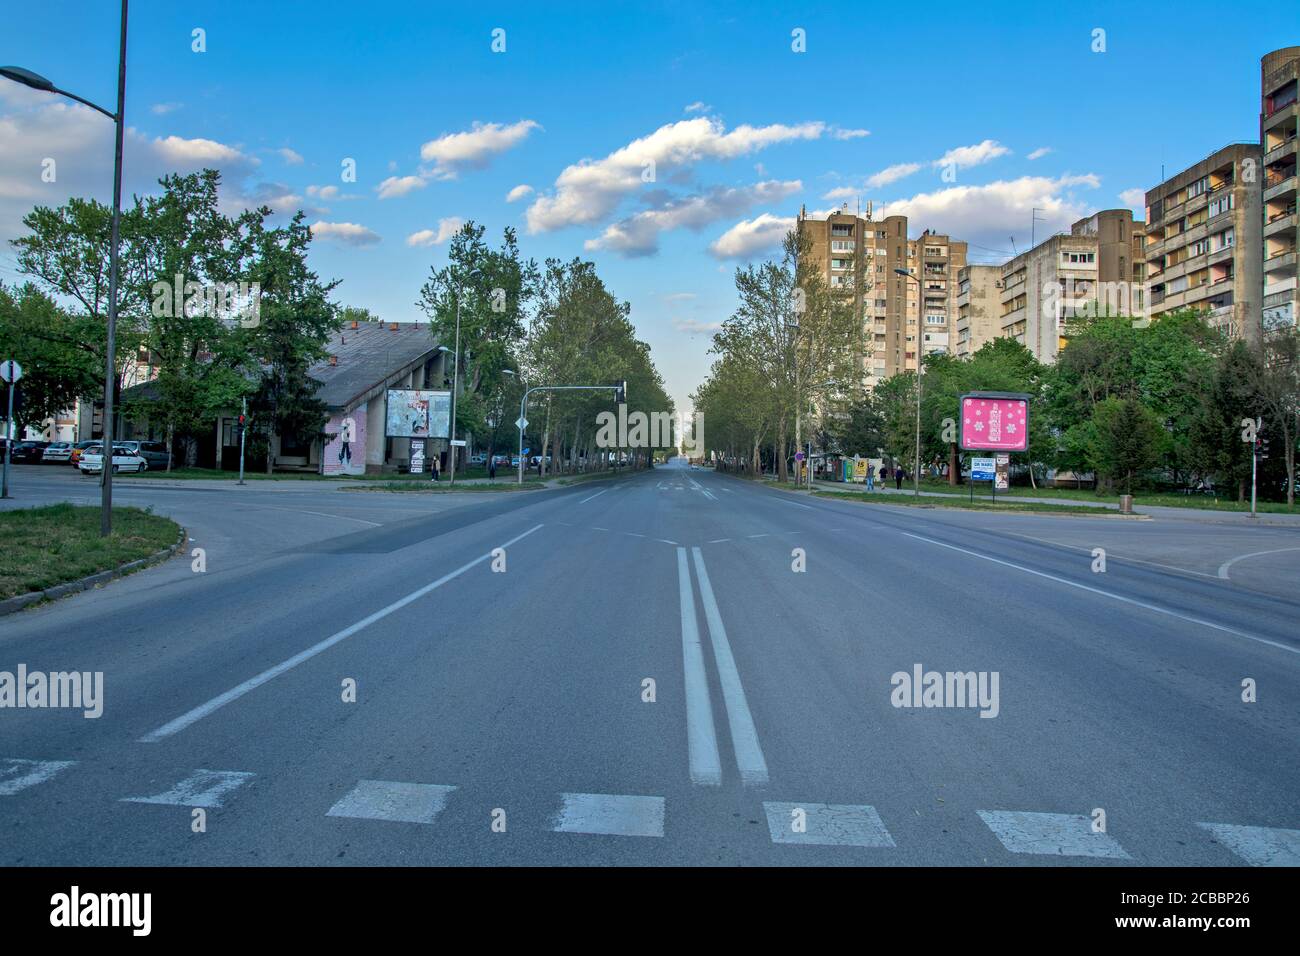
x: 610, y: 815
x: 596, y: 495
x: 202, y: 788
x: 1050, y: 834
x: 393, y: 800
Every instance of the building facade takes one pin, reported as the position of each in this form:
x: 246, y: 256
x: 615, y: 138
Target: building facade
x: 1279, y: 72
x: 1204, y: 240
x: 978, y: 308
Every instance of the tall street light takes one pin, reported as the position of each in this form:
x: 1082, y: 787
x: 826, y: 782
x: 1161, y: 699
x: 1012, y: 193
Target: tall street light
x: 920, y: 363
x: 38, y: 82
x: 455, y: 374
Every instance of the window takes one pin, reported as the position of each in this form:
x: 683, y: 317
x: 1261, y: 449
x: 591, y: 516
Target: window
x: 841, y: 230
x: 1220, y: 205
x: 1197, y: 248
x: 1078, y: 258
x: 842, y: 245
x: 1198, y: 187
x: 1222, y: 240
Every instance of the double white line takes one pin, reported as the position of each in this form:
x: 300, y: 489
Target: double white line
x: 701, y: 737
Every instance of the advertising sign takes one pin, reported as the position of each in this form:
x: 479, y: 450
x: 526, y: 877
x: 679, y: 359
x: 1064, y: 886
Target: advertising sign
x: 995, y: 421
x: 417, y: 413
x: 981, y: 469
x: 417, y: 456
x: 860, y: 469
x: 1002, y: 467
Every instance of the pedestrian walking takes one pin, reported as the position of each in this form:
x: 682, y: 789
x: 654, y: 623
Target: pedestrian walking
x: 899, y: 475
x: 492, y: 468
x: 871, y: 477
x: 433, y: 467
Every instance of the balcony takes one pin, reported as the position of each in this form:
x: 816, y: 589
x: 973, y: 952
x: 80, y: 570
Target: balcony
x: 1220, y: 255
x: 1276, y: 288
x: 1275, y: 299
x: 1280, y: 225
x: 1281, y: 151
x: 1279, y: 184
x: 1283, y: 262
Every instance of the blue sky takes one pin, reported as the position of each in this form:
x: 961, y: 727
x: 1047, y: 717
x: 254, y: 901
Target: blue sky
x: 742, y: 129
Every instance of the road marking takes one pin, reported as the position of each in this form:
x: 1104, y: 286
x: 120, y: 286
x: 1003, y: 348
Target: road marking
x: 1050, y: 834
x: 610, y: 814
x: 797, y: 504
x: 701, y: 738
x: 1117, y: 597
x: 1259, y: 846
x: 394, y: 801
x: 202, y: 788
x: 719, y: 540
x: 634, y: 534
x: 203, y: 710
x: 1111, y: 555
x: 708, y: 495
x: 16, y: 774
x: 1223, y: 568
x: 594, y: 528
x: 744, y: 736
x: 826, y: 824
x: 757, y: 535
x: 596, y: 495
x: 665, y: 541
x: 318, y: 514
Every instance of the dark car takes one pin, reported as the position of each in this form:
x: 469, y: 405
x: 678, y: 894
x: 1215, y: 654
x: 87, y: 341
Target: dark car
x: 153, y: 452
x: 29, y: 451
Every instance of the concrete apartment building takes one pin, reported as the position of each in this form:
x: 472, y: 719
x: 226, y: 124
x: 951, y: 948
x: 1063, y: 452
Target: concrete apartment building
x: 1091, y: 270
x: 978, y: 308
x: 858, y: 256
x: 1204, y: 240
x: 1279, y: 72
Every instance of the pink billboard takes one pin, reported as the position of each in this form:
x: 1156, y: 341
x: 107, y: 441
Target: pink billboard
x: 995, y: 422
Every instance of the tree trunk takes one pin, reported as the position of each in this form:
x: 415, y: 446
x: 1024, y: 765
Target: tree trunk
x: 171, y: 437
x: 781, y: 473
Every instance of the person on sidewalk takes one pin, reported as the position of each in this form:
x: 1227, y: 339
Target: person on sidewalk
x: 899, y: 475
x: 871, y: 477
x: 433, y: 467
x: 492, y: 468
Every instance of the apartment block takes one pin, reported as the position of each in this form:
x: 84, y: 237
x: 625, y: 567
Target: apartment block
x: 1204, y: 235
x: 1089, y: 271
x: 978, y: 308
x: 858, y: 256
x: 1279, y: 72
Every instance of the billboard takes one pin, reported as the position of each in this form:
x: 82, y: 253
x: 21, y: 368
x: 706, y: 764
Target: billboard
x: 995, y: 421
x: 417, y: 413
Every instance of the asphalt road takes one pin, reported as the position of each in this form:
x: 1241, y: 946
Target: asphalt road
x: 504, y: 714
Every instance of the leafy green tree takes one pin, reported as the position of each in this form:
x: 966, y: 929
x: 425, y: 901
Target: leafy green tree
x: 1126, y: 440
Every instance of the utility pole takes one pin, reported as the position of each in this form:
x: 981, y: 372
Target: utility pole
x: 243, y: 427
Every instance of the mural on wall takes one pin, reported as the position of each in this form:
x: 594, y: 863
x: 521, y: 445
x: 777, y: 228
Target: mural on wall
x: 346, y: 452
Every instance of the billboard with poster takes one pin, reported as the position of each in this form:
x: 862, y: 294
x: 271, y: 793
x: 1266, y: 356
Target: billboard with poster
x: 417, y: 413
x: 995, y: 421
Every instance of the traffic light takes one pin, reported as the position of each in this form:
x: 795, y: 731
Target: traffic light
x: 239, y: 427
x: 620, y: 393
x: 1261, y: 448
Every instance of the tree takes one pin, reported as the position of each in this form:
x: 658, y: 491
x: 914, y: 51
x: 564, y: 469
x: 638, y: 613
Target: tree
x: 1126, y: 440
x: 45, y: 340
x: 1275, y: 379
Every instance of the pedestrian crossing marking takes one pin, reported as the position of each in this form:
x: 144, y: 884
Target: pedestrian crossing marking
x: 826, y: 824
x: 202, y: 788
x: 17, y: 775
x: 610, y: 814
x: 1259, y: 846
x: 393, y: 800
x: 1050, y: 834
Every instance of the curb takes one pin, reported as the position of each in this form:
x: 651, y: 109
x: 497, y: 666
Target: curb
x: 21, y: 601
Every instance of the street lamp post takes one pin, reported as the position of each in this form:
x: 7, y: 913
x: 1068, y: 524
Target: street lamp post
x: 920, y: 364
x: 38, y: 82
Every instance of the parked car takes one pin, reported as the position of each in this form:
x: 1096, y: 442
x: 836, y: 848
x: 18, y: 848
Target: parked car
x: 92, y: 460
x: 502, y: 460
x: 154, y: 452
x: 59, y: 452
x: 28, y: 451
x: 479, y: 459
x: 79, y: 448
x: 514, y: 461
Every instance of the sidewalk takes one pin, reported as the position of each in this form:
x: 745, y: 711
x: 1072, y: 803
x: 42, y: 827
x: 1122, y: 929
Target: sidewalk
x: 1156, y: 511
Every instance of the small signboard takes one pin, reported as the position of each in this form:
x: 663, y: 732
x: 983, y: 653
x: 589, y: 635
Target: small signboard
x: 995, y: 421
x: 458, y: 443
x: 417, y: 456
x: 1002, y: 468
x: 981, y: 469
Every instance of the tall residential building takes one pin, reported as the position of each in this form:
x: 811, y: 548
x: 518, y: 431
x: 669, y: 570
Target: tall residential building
x: 1089, y: 271
x: 858, y: 255
x: 1204, y: 239
x: 978, y: 308
x: 1279, y: 71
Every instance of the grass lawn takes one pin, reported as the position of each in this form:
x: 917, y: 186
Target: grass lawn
x: 1159, y: 499
x: 46, y: 546
x: 963, y: 504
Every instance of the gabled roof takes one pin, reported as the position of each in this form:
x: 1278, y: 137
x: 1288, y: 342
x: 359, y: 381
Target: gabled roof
x: 370, y: 358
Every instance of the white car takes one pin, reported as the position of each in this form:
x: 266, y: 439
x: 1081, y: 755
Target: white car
x: 92, y: 460
x: 58, y: 451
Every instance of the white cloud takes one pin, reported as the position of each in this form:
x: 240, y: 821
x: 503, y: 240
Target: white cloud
x: 427, y: 237
x: 475, y: 147
x: 964, y: 157
x: 838, y: 133
x: 638, y: 235
x: 1040, y: 152
x: 699, y: 106
x: 693, y: 326
x: 291, y: 157
x: 749, y: 237
x: 588, y: 191
x: 990, y: 213
x: 162, y: 109
x: 347, y: 233
x: 200, y: 152
x: 890, y: 174
x: 680, y: 296
x: 323, y: 192
x: 1136, y: 198
x: 519, y: 192
x: 395, y: 186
